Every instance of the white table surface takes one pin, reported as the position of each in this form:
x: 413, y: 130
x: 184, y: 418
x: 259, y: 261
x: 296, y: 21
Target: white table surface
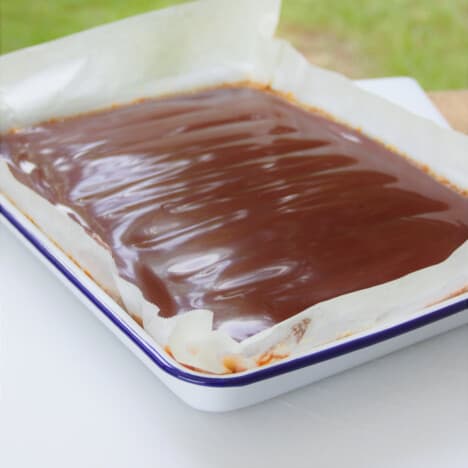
x: 71, y: 395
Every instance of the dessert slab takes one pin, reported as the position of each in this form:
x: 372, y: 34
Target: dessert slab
x: 229, y: 392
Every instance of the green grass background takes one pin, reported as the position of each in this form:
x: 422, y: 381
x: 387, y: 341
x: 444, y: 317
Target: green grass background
x: 426, y: 39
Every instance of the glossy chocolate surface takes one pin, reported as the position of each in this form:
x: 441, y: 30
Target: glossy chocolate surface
x: 237, y: 201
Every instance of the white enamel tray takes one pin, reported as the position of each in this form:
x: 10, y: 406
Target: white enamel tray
x: 214, y: 393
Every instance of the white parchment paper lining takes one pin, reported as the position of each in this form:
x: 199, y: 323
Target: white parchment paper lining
x: 201, y: 44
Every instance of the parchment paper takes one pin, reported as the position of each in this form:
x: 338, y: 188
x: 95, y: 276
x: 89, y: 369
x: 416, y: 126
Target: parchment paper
x: 201, y: 44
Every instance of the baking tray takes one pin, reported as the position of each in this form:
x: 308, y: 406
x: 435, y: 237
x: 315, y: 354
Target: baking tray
x: 223, y: 393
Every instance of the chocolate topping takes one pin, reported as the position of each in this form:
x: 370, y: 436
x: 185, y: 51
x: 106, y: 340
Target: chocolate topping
x: 237, y: 201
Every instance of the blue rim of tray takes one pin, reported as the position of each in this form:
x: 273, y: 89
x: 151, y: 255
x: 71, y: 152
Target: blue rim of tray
x: 242, y: 379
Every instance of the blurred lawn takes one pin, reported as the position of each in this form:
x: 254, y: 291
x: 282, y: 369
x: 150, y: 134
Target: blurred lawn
x: 426, y: 39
